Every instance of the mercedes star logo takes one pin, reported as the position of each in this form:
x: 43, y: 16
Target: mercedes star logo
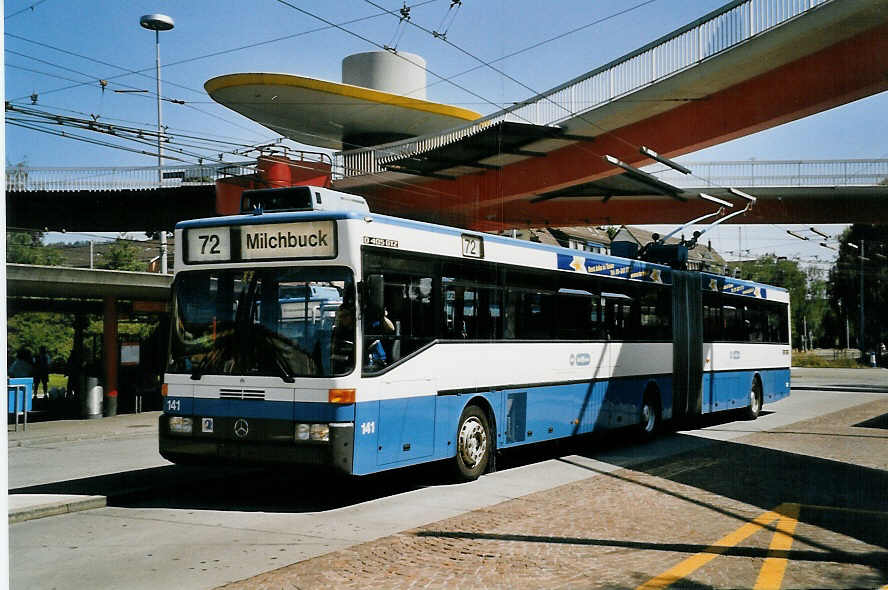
x: 241, y: 428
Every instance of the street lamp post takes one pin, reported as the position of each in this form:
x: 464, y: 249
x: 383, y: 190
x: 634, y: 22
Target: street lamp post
x: 158, y: 23
x: 862, y: 344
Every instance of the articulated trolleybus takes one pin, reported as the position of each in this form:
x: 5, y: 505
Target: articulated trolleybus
x: 310, y: 330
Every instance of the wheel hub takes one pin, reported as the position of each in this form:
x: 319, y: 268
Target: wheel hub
x: 648, y: 417
x: 472, y: 442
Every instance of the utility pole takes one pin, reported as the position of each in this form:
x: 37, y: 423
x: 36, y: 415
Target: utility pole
x: 805, y: 333
x: 862, y: 347
x: 158, y: 23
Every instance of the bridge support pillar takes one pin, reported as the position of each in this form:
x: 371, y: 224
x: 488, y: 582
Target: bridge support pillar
x: 111, y: 353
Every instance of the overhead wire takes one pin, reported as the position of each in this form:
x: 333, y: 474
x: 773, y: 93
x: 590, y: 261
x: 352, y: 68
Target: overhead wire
x: 177, y: 130
x: 39, y: 119
x: 127, y: 71
x: 451, y: 16
x: 142, y: 71
x: 483, y: 64
x: 83, y: 138
x: 380, y: 46
x: 31, y: 7
x: 548, y: 40
x: 539, y: 95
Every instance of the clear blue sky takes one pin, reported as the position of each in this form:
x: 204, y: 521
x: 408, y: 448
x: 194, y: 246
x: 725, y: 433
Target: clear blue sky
x: 108, y: 31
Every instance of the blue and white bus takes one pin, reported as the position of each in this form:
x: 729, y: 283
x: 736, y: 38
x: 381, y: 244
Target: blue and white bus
x: 321, y: 333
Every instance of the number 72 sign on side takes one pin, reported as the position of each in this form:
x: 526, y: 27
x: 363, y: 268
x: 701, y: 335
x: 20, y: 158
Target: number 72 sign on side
x: 208, y: 244
x: 472, y: 246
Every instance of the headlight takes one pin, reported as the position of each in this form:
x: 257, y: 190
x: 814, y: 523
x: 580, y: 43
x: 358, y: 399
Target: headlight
x: 320, y: 432
x: 181, y: 424
x: 302, y: 431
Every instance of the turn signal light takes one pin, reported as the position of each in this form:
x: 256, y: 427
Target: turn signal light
x: 341, y: 396
x: 164, y: 390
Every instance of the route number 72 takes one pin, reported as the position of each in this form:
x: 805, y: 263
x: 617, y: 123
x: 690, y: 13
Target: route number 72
x: 211, y: 240
x: 207, y: 244
x: 472, y: 246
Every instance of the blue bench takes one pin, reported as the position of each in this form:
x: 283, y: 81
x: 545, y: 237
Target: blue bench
x: 20, y: 392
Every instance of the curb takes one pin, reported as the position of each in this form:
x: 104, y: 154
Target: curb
x: 848, y: 389
x: 27, y: 442
x: 55, y: 508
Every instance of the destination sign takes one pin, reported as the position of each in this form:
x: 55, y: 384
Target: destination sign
x: 310, y: 239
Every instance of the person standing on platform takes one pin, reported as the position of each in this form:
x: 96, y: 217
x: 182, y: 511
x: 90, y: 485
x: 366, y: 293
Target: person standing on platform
x: 22, y: 366
x: 41, y: 371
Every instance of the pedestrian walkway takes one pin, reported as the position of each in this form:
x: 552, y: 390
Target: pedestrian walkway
x: 120, y: 426
x: 22, y: 507
x: 732, y: 514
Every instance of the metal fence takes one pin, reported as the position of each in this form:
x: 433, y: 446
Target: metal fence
x: 716, y: 32
x: 778, y: 173
x: 746, y: 173
x: 21, y: 178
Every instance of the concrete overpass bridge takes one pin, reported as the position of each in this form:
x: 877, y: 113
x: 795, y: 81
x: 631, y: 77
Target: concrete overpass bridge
x: 128, y: 199
x: 78, y: 291
x: 746, y: 67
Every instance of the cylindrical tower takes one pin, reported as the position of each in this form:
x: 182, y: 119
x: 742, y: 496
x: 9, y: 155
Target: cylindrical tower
x: 402, y: 74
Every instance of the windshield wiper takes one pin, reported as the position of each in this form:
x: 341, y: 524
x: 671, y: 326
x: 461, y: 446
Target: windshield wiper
x: 284, y: 373
x: 197, y: 371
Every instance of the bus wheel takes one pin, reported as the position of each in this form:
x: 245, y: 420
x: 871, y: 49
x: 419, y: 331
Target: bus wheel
x: 650, y: 416
x: 473, y: 444
x: 755, y: 401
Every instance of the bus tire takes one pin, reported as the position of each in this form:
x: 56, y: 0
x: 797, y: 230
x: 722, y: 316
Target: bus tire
x: 649, y: 419
x: 473, y: 444
x: 754, y: 408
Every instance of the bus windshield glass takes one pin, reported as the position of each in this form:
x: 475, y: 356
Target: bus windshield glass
x: 284, y: 322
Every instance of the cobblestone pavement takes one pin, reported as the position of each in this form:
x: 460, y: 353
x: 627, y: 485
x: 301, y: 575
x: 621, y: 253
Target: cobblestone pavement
x: 805, y: 506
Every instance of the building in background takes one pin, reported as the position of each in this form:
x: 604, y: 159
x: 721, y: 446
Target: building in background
x: 597, y: 240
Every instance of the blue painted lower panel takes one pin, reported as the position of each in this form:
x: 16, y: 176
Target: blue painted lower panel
x: 400, y: 432
x: 729, y: 390
x: 565, y: 410
x: 405, y: 431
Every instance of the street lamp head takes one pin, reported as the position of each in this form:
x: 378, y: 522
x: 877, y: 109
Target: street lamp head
x: 157, y: 22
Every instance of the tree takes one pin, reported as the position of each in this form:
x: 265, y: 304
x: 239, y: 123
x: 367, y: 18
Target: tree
x: 845, y: 283
x: 35, y: 329
x: 27, y: 248
x: 123, y: 255
x: 807, y: 291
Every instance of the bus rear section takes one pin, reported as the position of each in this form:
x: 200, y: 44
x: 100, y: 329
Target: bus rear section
x: 746, y: 345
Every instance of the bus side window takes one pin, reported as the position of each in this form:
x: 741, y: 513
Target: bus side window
x: 712, y: 318
x: 733, y: 324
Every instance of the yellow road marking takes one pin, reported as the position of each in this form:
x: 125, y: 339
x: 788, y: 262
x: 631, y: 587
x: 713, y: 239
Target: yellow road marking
x: 695, y: 562
x: 771, y: 575
x: 772, y: 572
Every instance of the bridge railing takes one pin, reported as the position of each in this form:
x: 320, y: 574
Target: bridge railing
x: 718, y: 31
x: 22, y: 178
x: 779, y: 173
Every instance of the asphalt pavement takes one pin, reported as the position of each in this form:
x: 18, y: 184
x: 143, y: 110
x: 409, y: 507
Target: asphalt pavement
x: 533, y: 535
x: 26, y: 477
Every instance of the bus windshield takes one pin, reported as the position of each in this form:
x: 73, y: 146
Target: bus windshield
x: 285, y: 322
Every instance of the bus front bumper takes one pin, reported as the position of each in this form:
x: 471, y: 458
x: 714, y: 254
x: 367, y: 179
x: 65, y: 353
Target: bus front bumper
x: 266, y: 442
